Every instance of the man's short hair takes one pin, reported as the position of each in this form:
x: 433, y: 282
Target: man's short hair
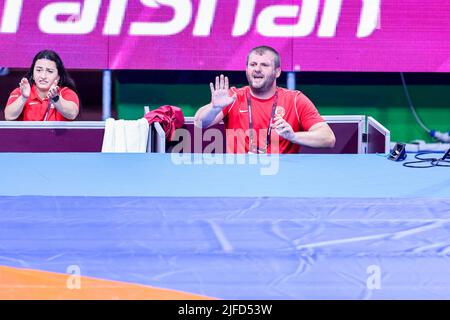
x: 262, y: 50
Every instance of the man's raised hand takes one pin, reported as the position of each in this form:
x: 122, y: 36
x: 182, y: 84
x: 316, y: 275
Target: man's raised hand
x: 219, y: 93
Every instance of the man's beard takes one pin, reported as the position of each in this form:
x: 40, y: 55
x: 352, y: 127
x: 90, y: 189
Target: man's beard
x: 263, y: 86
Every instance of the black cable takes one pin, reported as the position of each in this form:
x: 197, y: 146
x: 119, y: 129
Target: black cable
x: 428, y: 162
x: 410, y: 104
x: 441, y: 163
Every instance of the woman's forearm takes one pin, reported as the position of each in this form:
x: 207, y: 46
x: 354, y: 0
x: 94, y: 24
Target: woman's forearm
x: 13, y: 110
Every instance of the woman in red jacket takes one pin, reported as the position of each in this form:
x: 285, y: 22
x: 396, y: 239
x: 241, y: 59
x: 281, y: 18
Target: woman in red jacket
x: 46, y: 93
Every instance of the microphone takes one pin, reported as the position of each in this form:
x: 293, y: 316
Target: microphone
x: 441, y: 136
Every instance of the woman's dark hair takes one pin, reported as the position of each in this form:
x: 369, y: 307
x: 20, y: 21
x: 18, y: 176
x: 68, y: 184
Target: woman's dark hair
x: 64, y: 78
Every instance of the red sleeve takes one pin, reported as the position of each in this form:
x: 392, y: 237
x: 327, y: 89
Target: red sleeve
x: 308, y: 113
x: 13, y: 96
x: 231, y: 92
x: 69, y: 95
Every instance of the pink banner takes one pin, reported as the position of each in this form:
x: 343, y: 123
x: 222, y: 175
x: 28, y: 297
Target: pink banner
x: 311, y: 35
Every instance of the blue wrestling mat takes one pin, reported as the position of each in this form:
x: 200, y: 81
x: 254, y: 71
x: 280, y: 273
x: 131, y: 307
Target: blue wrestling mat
x: 280, y: 227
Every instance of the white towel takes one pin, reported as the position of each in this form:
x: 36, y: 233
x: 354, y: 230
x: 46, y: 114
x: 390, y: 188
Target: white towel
x: 108, y: 136
x: 125, y: 135
x: 144, y: 129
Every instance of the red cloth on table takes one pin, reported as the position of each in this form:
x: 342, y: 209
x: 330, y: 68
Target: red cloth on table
x: 170, y: 118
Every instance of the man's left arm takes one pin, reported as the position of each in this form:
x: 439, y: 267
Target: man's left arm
x: 319, y: 135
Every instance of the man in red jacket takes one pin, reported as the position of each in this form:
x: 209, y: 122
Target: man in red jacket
x: 262, y: 117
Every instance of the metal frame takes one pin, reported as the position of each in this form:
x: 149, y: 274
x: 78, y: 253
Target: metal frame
x: 358, y: 119
x: 70, y: 125
x: 160, y: 138
x: 383, y: 130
